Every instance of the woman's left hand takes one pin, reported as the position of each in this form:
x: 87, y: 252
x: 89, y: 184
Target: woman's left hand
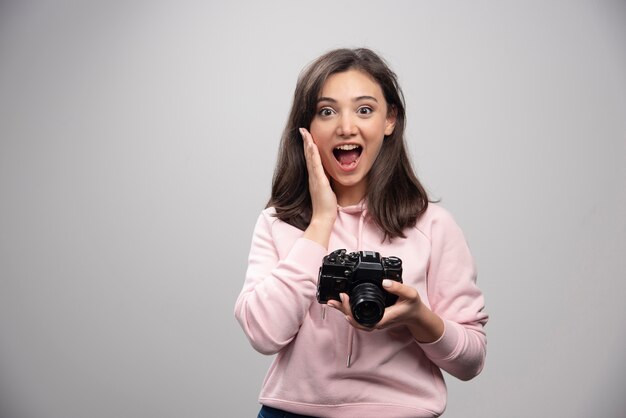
x: 409, y: 310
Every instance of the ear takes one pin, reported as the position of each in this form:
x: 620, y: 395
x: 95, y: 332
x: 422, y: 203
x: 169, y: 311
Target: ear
x: 390, y: 121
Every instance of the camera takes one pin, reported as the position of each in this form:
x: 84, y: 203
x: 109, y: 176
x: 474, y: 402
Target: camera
x: 360, y: 275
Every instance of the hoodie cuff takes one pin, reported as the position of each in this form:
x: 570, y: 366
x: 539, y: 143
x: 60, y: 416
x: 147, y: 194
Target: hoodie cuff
x: 448, y: 345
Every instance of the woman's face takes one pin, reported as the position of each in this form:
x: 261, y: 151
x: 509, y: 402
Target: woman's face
x: 348, y: 128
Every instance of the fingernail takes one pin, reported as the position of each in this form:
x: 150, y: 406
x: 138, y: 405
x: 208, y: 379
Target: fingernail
x: 386, y: 283
x: 341, y: 296
x: 301, y: 132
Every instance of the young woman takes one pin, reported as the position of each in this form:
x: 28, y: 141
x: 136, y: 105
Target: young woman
x: 343, y: 180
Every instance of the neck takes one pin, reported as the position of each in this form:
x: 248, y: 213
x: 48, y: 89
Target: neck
x: 348, y: 196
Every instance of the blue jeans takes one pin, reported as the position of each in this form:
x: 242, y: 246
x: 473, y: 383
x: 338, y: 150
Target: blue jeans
x: 269, y: 412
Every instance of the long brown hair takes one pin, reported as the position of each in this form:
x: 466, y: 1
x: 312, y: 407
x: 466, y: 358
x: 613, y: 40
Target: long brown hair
x: 396, y: 199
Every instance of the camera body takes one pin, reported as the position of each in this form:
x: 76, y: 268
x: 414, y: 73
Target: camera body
x: 360, y: 275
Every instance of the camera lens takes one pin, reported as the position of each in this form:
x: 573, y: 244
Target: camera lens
x: 367, y: 303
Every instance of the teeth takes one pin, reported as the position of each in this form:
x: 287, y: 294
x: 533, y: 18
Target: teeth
x: 347, y: 147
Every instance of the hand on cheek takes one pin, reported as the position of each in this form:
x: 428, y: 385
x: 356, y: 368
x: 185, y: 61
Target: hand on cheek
x: 322, y: 196
x: 323, y: 199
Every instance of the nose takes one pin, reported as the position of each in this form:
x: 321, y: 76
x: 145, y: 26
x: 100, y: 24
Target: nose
x: 346, y: 126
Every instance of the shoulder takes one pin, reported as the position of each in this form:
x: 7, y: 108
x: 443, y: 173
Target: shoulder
x: 436, y: 220
x: 268, y: 220
x: 269, y: 212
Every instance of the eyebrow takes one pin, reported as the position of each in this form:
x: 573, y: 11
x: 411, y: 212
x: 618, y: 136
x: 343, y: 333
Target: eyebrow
x: 356, y: 99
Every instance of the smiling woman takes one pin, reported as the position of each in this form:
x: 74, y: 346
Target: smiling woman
x: 343, y: 181
x: 349, y: 128
x: 372, y: 90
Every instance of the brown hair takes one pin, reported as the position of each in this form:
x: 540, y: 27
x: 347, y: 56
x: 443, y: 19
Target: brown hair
x: 396, y: 199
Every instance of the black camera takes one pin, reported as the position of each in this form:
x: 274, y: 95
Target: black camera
x: 360, y: 275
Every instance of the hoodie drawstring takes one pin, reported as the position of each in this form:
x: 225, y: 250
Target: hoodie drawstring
x: 359, y: 243
x: 350, y: 339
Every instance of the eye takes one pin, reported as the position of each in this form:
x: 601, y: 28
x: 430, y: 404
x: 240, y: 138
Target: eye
x: 325, y: 111
x: 364, y: 110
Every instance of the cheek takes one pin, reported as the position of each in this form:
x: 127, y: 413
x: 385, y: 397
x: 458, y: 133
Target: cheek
x: 376, y: 151
x: 320, y: 132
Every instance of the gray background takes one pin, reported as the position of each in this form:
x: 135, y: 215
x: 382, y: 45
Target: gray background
x: 138, y: 140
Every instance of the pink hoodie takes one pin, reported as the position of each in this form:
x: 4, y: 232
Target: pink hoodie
x: 327, y: 368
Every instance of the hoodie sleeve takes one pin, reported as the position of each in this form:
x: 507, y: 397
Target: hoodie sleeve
x: 454, y: 296
x: 277, y: 293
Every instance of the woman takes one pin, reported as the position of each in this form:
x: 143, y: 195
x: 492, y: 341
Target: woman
x: 343, y: 181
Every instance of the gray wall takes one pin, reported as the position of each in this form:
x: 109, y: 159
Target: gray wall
x: 137, y: 143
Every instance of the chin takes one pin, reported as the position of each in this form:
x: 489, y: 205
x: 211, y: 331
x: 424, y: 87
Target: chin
x: 347, y: 182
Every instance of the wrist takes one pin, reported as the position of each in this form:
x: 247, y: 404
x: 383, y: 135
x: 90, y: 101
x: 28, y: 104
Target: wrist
x: 324, y: 213
x: 319, y: 230
x: 427, y: 327
x: 323, y: 221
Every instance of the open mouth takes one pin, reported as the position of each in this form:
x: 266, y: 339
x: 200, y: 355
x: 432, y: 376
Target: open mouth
x: 347, y: 155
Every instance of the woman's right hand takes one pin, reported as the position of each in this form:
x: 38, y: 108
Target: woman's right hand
x: 323, y: 198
